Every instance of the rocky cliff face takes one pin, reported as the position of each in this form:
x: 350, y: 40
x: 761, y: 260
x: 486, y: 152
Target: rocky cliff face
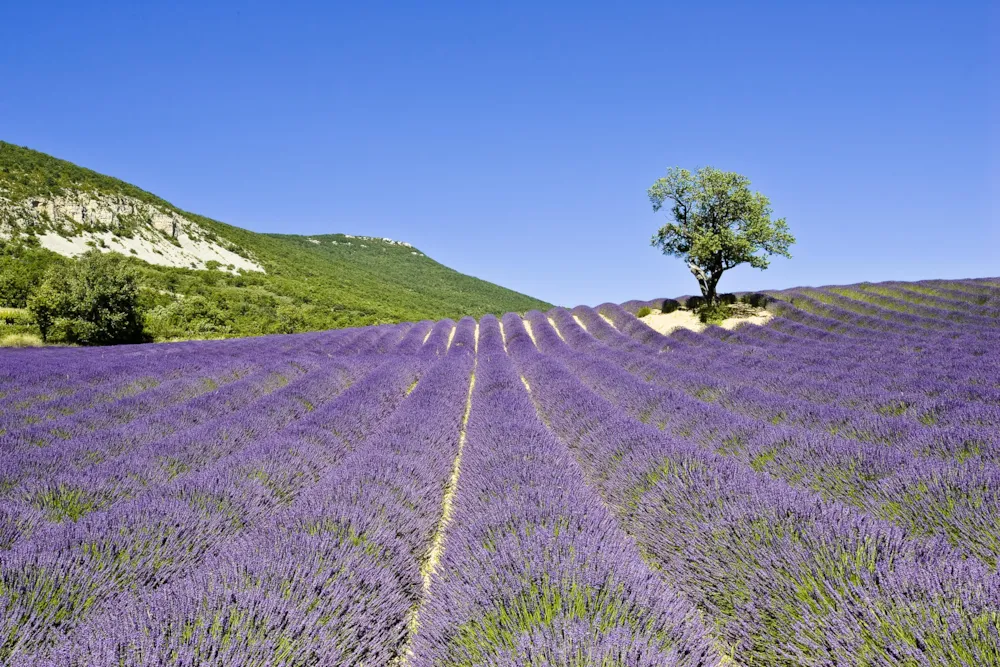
x: 77, y: 221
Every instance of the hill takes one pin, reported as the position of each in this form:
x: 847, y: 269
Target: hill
x: 205, y: 278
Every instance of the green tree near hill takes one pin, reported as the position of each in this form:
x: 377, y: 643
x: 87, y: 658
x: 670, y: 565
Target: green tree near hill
x: 718, y: 224
x: 94, y: 301
x: 22, y: 267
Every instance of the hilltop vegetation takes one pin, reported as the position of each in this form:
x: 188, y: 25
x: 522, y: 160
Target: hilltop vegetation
x: 25, y: 173
x: 308, y: 283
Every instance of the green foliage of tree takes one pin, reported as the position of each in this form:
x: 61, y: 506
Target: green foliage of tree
x: 93, y: 301
x: 718, y: 224
x: 22, y: 268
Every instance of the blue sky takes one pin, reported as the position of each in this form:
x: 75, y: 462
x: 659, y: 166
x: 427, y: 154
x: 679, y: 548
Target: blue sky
x: 515, y: 141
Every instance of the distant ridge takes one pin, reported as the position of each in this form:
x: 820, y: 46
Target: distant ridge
x: 242, y: 282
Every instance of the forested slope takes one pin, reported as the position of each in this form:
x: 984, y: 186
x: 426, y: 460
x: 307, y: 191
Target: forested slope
x: 204, y: 278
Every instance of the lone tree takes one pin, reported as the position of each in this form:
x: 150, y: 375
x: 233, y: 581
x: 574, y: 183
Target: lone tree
x: 717, y: 224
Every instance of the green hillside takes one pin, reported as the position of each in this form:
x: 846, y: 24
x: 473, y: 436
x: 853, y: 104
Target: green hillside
x: 308, y: 283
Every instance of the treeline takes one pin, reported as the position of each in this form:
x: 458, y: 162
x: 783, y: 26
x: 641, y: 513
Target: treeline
x: 108, y: 298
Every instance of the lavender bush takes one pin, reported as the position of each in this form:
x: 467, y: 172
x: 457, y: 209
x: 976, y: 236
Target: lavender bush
x: 564, y: 488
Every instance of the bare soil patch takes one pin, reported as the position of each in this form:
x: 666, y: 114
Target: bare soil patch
x: 688, y: 319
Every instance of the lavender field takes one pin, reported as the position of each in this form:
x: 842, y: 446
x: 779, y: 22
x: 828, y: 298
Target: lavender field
x: 565, y: 488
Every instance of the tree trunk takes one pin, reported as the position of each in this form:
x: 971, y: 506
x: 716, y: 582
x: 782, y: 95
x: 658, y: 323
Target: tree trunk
x: 707, y: 282
x: 701, y: 276
x: 710, y: 292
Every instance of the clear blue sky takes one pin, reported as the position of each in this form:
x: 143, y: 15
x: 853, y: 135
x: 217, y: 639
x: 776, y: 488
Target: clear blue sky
x: 516, y: 141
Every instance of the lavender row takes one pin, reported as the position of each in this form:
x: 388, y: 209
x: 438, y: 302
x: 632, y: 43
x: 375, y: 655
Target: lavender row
x: 535, y: 570
x: 282, y: 363
x: 27, y: 461
x: 898, y: 367
x: 819, y: 320
x: 870, y: 315
x: 923, y: 359
x: 38, y: 474
x: 939, y: 297
x: 330, y: 579
x: 805, y: 308
x: 153, y: 370
x: 48, y: 426
x: 880, y: 319
x: 833, y: 379
x: 187, y: 490
x: 919, y: 378
x: 70, y: 495
x: 88, y: 388
x: 982, y: 293
x: 966, y: 317
x: 904, y: 398
x: 926, y: 497
x: 928, y: 418
x: 187, y: 525
x: 900, y: 383
x: 784, y: 579
x: 123, y: 469
x: 38, y: 376
x: 880, y: 351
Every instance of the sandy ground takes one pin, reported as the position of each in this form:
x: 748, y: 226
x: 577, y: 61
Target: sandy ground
x: 685, y: 319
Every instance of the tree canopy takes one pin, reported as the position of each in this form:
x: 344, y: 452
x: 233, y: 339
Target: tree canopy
x: 91, y: 302
x: 718, y: 224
